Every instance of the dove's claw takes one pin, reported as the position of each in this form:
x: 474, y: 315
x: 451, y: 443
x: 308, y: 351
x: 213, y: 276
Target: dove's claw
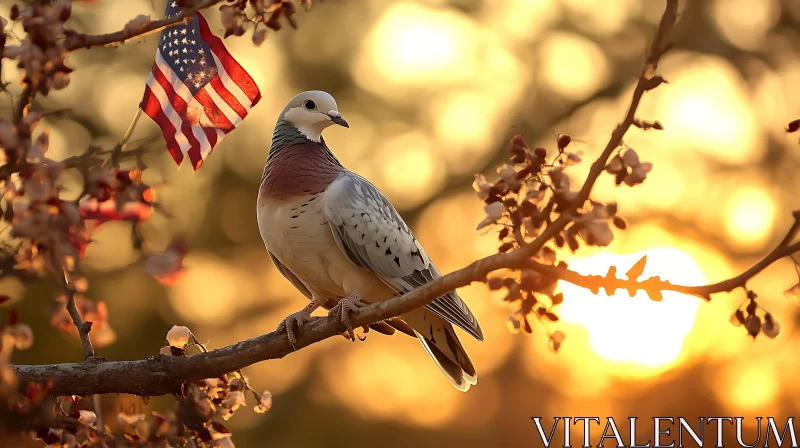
x: 347, y: 305
x: 294, y: 321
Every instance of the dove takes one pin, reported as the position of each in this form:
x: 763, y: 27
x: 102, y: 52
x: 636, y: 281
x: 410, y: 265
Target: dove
x: 342, y: 244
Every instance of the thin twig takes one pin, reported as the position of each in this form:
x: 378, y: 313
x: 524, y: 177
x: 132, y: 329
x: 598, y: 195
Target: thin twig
x: 83, y: 327
x: 116, y: 153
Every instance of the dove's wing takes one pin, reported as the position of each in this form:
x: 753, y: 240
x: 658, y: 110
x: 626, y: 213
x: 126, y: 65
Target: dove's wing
x: 371, y: 233
x: 289, y: 275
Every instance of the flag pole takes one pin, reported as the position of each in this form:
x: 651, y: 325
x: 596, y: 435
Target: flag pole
x: 123, y: 142
x: 129, y: 132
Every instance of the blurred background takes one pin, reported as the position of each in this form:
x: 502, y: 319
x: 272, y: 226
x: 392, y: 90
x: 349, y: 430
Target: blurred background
x: 433, y: 91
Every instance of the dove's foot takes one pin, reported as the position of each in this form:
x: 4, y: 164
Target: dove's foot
x: 294, y: 321
x: 347, y: 305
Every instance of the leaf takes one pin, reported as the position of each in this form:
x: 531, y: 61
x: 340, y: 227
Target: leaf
x: 637, y: 269
x: 655, y: 295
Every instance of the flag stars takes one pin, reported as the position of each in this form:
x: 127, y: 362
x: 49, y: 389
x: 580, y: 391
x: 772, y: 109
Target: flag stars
x: 183, y: 31
x: 185, y: 50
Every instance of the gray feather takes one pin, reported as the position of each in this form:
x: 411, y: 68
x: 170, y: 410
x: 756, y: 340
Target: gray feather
x: 370, y: 232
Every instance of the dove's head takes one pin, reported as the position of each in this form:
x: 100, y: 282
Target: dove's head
x: 311, y: 112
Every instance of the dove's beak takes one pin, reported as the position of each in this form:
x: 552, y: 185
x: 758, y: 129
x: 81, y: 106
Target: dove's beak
x: 336, y: 117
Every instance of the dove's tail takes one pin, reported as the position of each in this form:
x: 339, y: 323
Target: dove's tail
x: 440, y: 341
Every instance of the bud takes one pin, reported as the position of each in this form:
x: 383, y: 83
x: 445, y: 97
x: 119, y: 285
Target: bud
x: 630, y: 158
x: 753, y: 325
x: 234, y: 400
x: 771, y: 327
x: 597, y: 232
x: 494, y: 211
x: 60, y: 80
x: 615, y: 165
x: 136, y: 24
x: 259, y: 36
x: 563, y: 141
x: 737, y: 318
x: 22, y: 334
x: 264, y: 403
x: 507, y: 172
x: 178, y: 336
x: 637, y: 175
x: 495, y: 283
x: 88, y: 418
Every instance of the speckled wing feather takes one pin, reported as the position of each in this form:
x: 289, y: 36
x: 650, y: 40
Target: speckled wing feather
x: 371, y: 233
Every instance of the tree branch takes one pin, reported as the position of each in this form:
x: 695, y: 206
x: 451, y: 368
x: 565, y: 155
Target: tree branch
x: 611, y: 283
x: 159, y: 375
x: 78, y: 41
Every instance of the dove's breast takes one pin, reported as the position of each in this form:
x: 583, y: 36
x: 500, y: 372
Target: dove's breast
x: 296, y: 231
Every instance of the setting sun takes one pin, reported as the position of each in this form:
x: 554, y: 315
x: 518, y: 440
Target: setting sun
x: 635, y: 332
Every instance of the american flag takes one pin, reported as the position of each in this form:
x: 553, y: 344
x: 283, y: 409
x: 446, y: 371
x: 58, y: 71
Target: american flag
x: 197, y: 93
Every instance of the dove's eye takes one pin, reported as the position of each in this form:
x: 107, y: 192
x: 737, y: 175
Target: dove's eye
x: 309, y: 105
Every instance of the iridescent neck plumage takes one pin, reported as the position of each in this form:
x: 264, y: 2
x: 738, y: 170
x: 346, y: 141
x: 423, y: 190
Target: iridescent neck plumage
x: 297, y: 165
